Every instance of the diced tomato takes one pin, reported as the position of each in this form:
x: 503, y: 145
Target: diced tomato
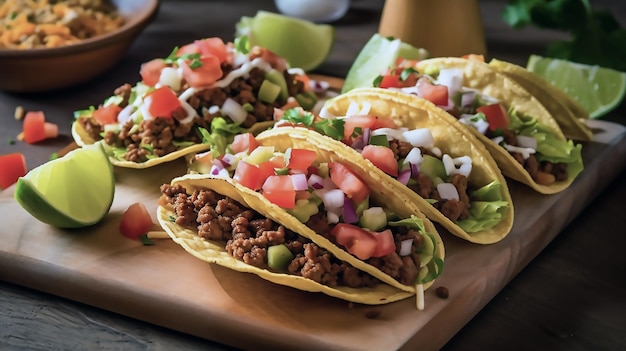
x: 382, y: 157
x: 107, y: 114
x: 276, y: 61
x: 496, y: 115
x: 359, y: 242
x: 385, y: 243
x: 12, y: 166
x: 365, y: 121
x: 299, y: 160
x: 244, y: 142
x: 212, y: 47
x: 437, y: 94
x: 278, y: 189
x: 207, y: 73
x: 151, y: 71
x: 136, y: 221
x: 476, y: 57
x: 305, y: 79
x: 36, y: 128
x: 162, y: 102
x: 348, y: 182
x: 278, y: 161
x: 253, y: 176
x: 390, y: 81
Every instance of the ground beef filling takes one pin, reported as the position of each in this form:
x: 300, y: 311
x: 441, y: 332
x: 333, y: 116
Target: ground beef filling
x: 248, y: 234
x: 545, y: 172
x: 422, y: 185
x: 156, y: 137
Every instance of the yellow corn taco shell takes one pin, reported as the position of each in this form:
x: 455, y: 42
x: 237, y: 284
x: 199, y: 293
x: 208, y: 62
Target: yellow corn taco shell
x: 452, y: 138
x: 566, y: 111
x: 480, y: 76
x: 215, y: 252
x: 82, y: 138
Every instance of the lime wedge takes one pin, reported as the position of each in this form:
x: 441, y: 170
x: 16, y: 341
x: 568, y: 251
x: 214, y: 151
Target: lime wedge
x: 599, y: 90
x: 302, y: 43
x: 378, y: 54
x: 73, y: 191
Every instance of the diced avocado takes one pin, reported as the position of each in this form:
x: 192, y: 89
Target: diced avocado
x: 380, y: 140
x: 373, y: 218
x: 278, y: 78
x: 304, y: 209
x: 279, y: 257
x: 260, y: 154
x: 362, y: 206
x: 268, y: 92
x: 307, y: 100
x: 427, y: 249
x: 433, y: 167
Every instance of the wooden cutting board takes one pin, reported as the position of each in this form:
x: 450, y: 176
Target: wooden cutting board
x: 164, y: 285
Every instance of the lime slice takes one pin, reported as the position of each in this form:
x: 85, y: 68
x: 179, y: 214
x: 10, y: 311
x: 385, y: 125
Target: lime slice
x: 378, y: 54
x: 598, y: 89
x: 302, y: 43
x: 73, y: 191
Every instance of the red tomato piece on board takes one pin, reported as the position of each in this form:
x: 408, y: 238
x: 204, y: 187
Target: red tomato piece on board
x: 36, y: 128
x: 107, y: 114
x: 279, y: 190
x: 151, y: 71
x: 136, y: 221
x: 348, y: 182
x: 382, y: 157
x: 496, y: 115
x: 12, y: 166
x: 162, y: 102
x: 357, y: 241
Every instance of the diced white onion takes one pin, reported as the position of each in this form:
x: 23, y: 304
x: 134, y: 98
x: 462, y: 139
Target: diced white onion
x: 479, y: 124
x: 414, y: 156
x: 391, y: 133
x: 406, y: 247
x: 170, y: 77
x: 526, y: 141
x: 447, y: 191
x: 436, y: 151
x: 299, y: 182
x: 332, y: 217
x: 315, y: 181
x: 525, y: 151
x: 497, y: 139
x: 234, y: 111
x: 419, y: 137
x: 468, y: 97
x: 459, y: 165
x: 332, y: 198
x: 219, y: 173
x: 213, y: 109
x: 125, y: 114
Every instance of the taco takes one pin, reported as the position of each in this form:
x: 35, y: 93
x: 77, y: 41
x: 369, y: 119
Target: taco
x: 521, y: 135
x: 436, y: 162
x: 568, y: 113
x: 197, y: 98
x: 308, y: 187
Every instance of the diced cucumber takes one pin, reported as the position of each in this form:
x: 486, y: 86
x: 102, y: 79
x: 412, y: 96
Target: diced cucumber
x: 323, y: 170
x: 278, y: 78
x: 260, y: 154
x: 279, y: 257
x: 362, y: 206
x: 373, y: 218
x: 268, y: 92
x: 304, y: 209
x: 433, y: 167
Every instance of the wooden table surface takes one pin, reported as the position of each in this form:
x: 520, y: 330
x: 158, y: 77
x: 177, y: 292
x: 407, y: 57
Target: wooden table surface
x: 570, y: 297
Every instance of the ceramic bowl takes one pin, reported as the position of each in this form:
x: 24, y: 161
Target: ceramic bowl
x: 314, y: 10
x: 47, y: 69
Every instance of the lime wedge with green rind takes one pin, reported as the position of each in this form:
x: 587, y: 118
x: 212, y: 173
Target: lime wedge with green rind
x: 597, y: 89
x: 302, y: 43
x: 378, y: 54
x: 72, y: 191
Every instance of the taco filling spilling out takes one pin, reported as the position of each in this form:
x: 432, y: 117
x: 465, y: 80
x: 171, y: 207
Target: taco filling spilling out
x: 202, y: 93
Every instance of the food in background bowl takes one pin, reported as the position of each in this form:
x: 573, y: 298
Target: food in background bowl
x: 42, y: 69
